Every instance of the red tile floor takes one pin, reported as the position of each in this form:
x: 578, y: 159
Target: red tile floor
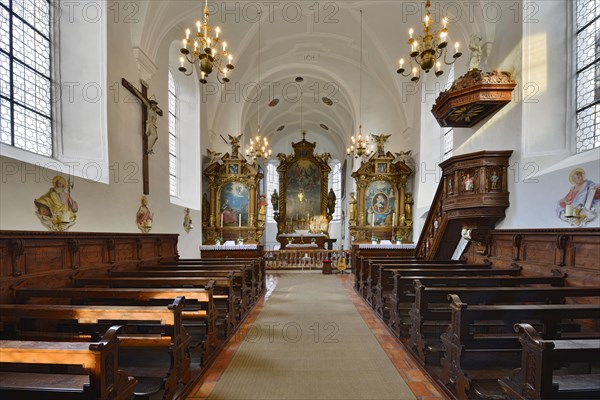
x: 418, y: 381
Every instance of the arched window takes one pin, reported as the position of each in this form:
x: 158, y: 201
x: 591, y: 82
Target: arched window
x: 272, y: 184
x: 173, y: 138
x: 26, y: 75
x: 587, y: 14
x: 335, y: 183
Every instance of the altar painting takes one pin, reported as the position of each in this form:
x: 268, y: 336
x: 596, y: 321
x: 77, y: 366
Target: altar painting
x: 233, y: 203
x: 303, y: 187
x: 381, y: 203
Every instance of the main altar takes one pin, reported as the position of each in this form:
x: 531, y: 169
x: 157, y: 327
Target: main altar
x: 303, y: 208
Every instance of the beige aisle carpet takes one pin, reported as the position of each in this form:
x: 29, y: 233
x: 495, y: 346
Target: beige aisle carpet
x: 310, y: 342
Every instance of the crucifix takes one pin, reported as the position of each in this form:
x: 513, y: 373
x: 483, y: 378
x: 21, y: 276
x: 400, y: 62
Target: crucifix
x: 150, y: 111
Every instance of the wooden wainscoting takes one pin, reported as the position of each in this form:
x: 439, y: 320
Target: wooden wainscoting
x: 574, y: 251
x: 54, y: 258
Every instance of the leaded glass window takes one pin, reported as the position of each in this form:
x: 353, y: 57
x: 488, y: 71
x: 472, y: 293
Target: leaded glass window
x: 448, y: 133
x: 335, y: 183
x: 588, y: 74
x: 272, y: 184
x: 173, y: 138
x: 26, y: 75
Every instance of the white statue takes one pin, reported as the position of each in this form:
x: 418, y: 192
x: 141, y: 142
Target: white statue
x: 475, y: 46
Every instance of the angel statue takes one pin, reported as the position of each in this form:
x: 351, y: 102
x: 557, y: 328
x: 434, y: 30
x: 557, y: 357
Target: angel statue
x: 381, y: 139
x: 403, y: 156
x: 234, y: 141
x: 212, y: 155
x: 475, y: 46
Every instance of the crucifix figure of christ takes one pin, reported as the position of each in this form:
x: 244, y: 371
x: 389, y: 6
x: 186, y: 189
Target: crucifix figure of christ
x: 150, y: 111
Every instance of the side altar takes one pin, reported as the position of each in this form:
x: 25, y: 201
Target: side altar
x: 382, y: 209
x: 235, y: 212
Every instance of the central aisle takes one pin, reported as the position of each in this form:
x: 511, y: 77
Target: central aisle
x: 310, y: 342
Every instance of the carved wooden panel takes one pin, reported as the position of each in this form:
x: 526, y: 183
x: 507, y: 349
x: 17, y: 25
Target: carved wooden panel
x: 47, y: 258
x: 53, y: 258
x: 149, y: 250
x: 125, y: 251
x: 574, y: 251
x: 95, y: 253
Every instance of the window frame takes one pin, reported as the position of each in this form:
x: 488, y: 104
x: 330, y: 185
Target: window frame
x: 50, y: 79
x: 171, y: 78
x: 336, y: 165
x: 577, y: 70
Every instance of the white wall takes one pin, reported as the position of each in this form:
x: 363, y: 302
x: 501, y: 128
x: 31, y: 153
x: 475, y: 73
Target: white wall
x: 109, y: 207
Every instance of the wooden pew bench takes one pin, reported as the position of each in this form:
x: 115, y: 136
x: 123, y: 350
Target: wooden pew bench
x: 256, y: 264
x: 376, y: 294
x: 472, y: 356
x: 536, y: 380
x: 431, y: 310
x: 99, y: 378
x: 244, y: 277
x: 226, y: 295
x: 199, y: 312
x: 374, y: 268
x: 362, y: 272
x: 400, y: 301
x: 154, y: 349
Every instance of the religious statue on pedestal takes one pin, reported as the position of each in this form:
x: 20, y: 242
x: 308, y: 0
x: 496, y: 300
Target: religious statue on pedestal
x: 352, y: 202
x: 331, y: 199
x: 143, y: 217
x: 475, y: 52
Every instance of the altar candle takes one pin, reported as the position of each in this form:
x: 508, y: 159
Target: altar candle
x: 240, y: 219
x: 372, y: 220
x: 569, y: 210
x: 394, y: 219
x: 221, y: 220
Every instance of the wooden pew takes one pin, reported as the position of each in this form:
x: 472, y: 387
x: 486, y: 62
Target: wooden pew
x: 375, y: 293
x: 102, y: 379
x: 199, y: 304
x: 167, y: 321
x: 257, y: 265
x: 372, y: 271
x: 246, y: 275
x: 430, y: 305
x: 401, y: 300
x: 471, y: 354
x: 225, y: 290
x: 360, y: 271
x: 535, y: 379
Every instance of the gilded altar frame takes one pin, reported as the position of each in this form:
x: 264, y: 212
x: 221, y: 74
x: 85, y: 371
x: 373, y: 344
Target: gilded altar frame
x: 391, y: 217
x: 303, y: 151
x: 233, y: 172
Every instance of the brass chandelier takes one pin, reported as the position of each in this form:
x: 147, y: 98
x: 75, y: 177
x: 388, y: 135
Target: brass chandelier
x: 203, y: 51
x: 258, y: 145
x: 360, y: 144
x: 429, y: 50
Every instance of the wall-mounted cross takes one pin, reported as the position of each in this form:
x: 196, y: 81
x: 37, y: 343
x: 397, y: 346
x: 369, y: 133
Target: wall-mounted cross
x: 149, y: 132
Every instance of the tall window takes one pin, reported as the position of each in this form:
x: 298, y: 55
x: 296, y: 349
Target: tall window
x: 588, y: 74
x: 272, y: 184
x: 173, y: 138
x: 447, y: 143
x: 26, y: 75
x: 335, y: 183
x: 448, y: 133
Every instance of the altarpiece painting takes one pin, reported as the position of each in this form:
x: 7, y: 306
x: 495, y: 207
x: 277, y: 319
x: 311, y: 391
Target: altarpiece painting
x: 303, y: 179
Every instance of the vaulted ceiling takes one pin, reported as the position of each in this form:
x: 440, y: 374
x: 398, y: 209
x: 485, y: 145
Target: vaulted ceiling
x: 320, y: 42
